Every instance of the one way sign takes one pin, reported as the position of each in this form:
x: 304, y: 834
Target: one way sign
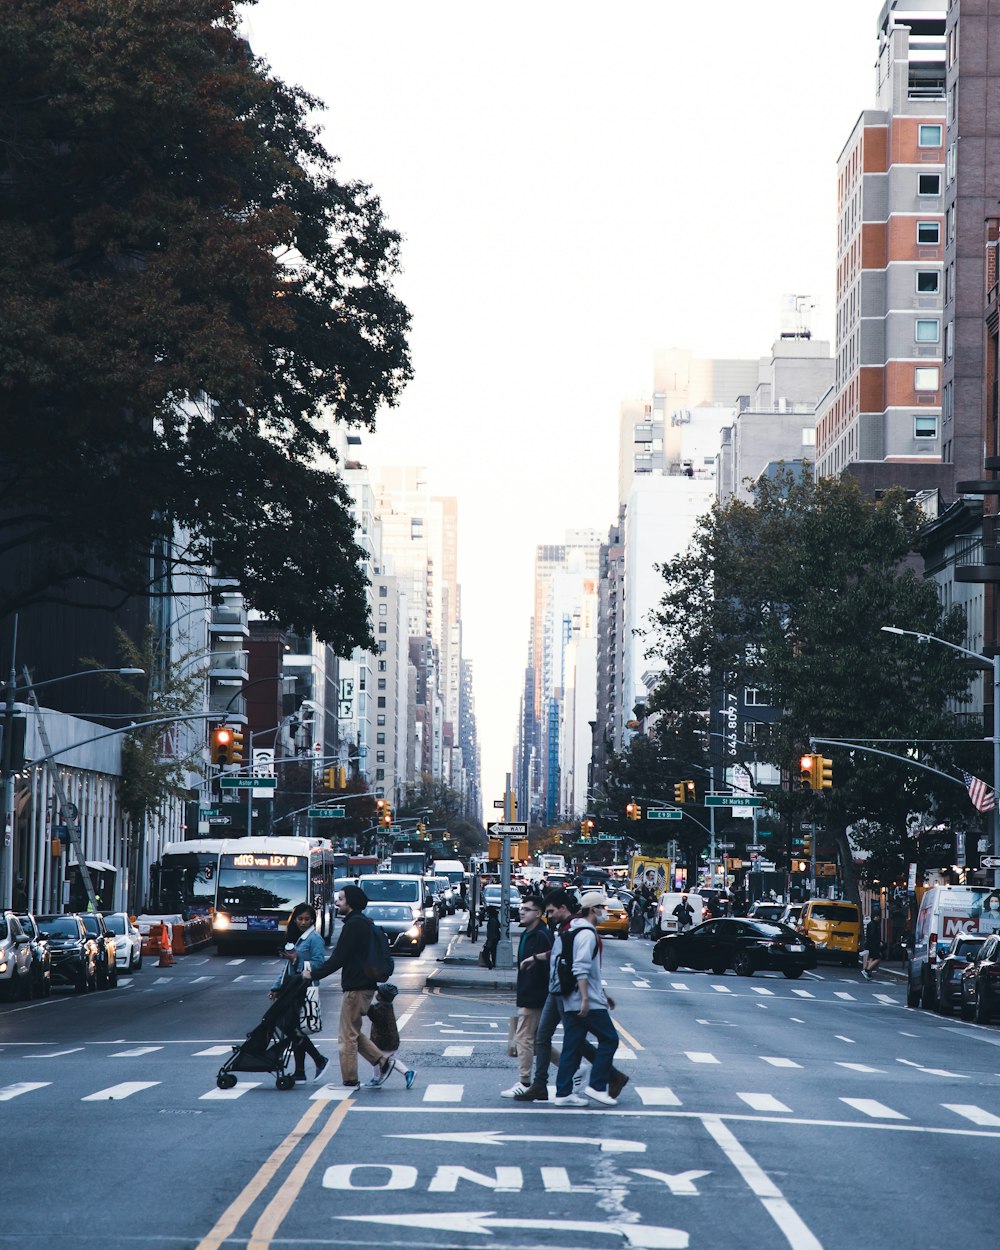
x: 990, y: 861
x: 515, y: 830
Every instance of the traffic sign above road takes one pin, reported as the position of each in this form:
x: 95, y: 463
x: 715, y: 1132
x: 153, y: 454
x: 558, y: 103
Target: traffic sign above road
x: 515, y: 830
x: 990, y: 861
x: 733, y: 800
x: 249, y: 783
x: 666, y: 815
x: 326, y: 813
x: 725, y: 846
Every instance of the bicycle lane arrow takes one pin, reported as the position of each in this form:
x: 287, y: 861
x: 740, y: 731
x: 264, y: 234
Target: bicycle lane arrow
x: 493, y: 1137
x: 641, y: 1236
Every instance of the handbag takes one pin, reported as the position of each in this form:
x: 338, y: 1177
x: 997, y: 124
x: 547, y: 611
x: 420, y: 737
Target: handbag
x: 512, y: 1036
x: 310, y: 1016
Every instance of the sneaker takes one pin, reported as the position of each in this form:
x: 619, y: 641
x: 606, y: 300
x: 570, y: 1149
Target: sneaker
x: 519, y: 1088
x: 616, y: 1083
x: 299, y: 1077
x: 581, y: 1078
x: 374, y: 1083
x: 534, y: 1093
x: 409, y: 1076
x: 385, y: 1069
x: 570, y: 1100
x: 600, y: 1095
x: 866, y: 974
x: 321, y: 1067
x: 352, y: 1084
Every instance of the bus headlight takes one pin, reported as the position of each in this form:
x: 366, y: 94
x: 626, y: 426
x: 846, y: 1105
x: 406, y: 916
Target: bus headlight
x: 221, y: 920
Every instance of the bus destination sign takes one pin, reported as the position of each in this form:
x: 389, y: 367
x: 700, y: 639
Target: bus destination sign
x: 250, y: 860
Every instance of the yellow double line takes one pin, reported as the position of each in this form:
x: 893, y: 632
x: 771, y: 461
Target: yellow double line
x: 274, y: 1213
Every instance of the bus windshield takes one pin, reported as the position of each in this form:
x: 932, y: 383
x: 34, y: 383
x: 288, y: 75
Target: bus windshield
x: 260, y: 889
x: 187, y: 882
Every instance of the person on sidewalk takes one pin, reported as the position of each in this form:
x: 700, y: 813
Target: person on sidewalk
x: 560, y: 910
x: 873, y: 948
x: 532, y: 988
x: 587, y: 1010
x: 305, y: 949
x: 385, y: 1035
x: 492, y: 937
x: 359, y: 988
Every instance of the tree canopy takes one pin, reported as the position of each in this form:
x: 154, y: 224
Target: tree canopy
x: 190, y: 298
x: 787, y: 597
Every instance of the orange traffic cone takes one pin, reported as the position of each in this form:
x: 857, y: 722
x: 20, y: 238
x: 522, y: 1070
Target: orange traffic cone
x: 166, y: 954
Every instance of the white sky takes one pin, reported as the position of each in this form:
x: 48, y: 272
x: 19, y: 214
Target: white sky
x: 576, y: 184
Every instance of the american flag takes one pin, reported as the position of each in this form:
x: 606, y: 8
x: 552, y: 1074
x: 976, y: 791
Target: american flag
x: 983, y: 798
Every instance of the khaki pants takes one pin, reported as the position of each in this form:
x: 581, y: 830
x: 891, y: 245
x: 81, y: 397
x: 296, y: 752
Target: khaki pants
x: 350, y: 1039
x: 524, y: 1038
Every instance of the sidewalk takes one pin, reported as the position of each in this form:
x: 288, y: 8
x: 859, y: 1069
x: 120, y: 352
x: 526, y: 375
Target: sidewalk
x: 459, y: 968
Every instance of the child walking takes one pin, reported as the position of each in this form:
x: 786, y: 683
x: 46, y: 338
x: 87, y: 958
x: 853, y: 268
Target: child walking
x: 385, y: 1036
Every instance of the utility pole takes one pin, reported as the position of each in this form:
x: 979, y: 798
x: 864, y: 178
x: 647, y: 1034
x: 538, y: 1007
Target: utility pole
x: 505, y: 950
x: 7, y: 771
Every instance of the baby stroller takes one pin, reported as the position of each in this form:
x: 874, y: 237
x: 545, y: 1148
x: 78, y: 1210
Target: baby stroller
x: 268, y: 1047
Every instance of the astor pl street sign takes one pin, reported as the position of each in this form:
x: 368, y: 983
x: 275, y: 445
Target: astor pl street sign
x: 249, y: 783
x: 733, y: 800
x: 514, y: 830
x: 664, y: 815
x: 326, y: 813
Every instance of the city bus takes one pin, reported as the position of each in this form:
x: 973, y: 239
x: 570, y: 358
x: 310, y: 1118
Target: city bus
x: 262, y: 879
x: 183, y: 880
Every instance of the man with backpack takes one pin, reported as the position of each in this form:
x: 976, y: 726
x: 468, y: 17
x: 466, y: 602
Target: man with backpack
x: 357, y: 954
x: 585, y: 1006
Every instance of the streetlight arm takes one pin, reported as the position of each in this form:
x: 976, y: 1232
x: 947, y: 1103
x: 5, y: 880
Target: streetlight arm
x: 86, y: 672
x: 981, y: 660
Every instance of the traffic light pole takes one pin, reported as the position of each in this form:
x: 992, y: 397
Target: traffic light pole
x: 505, y: 950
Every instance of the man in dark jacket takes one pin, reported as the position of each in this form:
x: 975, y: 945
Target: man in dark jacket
x: 532, y: 987
x: 359, y: 988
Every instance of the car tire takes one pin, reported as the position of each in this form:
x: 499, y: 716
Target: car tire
x: 623, y: 936
x: 138, y: 963
x: 792, y: 974
x: 928, y: 998
x: 670, y: 961
x: 981, y: 1013
x: 944, y: 1007
x: 719, y: 970
x: 965, y: 1010
x: 912, y: 996
x: 743, y: 966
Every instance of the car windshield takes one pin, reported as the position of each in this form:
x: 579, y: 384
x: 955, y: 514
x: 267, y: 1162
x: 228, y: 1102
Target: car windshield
x: 967, y: 947
x: 834, y: 911
x: 614, y: 905
x: 443, y: 883
x: 388, y: 911
x: 115, y: 923
x: 59, y: 926
x: 397, y: 891
x: 91, y: 923
x: 28, y: 925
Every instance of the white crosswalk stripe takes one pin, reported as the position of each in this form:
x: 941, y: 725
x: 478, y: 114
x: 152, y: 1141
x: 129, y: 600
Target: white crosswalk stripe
x: 763, y: 1102
x: 776, y: 1061
x: 759, y: 989
x: 657, y: 1096
x: 877, y: 1110
x: 20, y: 1087
x: 227, y: 1095
x: 643, y: 985
x: 858, y: 1067
x: 444, y: 1093
x: 700, y: 1056
x: 722, y: 989
x: 215, y: 1050
x: 976, y: 1114
x: 458, y: 1052
x: 115, y: 1093
x: 844, y: 994
x: 135, y: 1053
x: 803, y: 994
x: 331, y: 1093
x: 678, y: 985
x: 885, y: 998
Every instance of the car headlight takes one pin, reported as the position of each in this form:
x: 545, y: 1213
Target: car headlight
x: 221, y: 920
x: 412, y: 932
x: 3, y: 966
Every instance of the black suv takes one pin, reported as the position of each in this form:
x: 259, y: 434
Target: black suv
x: 73, y: 951
x: 981, y: 982
x: 107, y: 967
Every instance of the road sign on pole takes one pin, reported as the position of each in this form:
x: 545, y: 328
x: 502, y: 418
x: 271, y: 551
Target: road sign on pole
x: 664, y: 815
x: 733, y: 800
x: 326, y: 813
x: 248, y: 783
x: 989, y: 861
x: 725, y: 846
x: 515, y: 829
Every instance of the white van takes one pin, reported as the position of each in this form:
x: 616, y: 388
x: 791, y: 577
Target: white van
x: 665, y: 921
x: 945, y: 910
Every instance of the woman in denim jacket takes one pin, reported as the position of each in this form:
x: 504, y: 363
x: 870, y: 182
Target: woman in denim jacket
x: 305, y: 946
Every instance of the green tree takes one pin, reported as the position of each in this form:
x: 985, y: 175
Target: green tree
x: 441, y: 807
x: 189, y: 299
x: 787, y: 595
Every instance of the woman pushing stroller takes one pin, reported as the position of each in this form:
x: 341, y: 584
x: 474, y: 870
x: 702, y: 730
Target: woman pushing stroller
x: 304, y: 950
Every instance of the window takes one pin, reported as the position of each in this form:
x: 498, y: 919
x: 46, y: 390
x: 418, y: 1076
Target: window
x: 925, y: 427
x: 928, y: 281
x: 926, y: 378
x: 809, y: 436
x: 380, y: 718
x: 383, y: 609
x: 929, y: 136
x: 928, y: 184
x: 381, y: 701
x: 383, y: 592
x: 928, y: 330
x: 929, y: 232
x: 381, y: 683
x: 382, y: 666
x: 380, y: 774
x: 379, y: 757
x: 380, y: 740
x: 383, y: 628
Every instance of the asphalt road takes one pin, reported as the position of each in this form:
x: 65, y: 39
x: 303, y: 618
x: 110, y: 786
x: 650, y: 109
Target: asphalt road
x: 760, y: 1113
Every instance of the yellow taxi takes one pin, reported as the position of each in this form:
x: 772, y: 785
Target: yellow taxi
x: 615, y: 922
x: 834, y: 926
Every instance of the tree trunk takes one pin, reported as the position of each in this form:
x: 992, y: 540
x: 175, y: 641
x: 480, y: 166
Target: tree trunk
x: 848, y: 874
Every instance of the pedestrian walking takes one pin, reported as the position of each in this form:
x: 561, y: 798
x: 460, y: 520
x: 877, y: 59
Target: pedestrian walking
x: 684, y: 914
x: 586, y: 1009
x: 560, y: 910
x: 492, y: 937
x: 305, y: 949
x: 532, y: 988
x: 349, y: 955
x: 873, y: 948
x: 385, y: 1035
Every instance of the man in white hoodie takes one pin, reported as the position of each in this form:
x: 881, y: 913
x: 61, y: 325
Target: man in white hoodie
x: 586, y: 1010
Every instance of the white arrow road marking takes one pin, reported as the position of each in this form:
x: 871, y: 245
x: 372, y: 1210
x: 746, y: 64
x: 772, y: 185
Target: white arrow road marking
x: 21, y: 1087
x: 642, y: 1236
x: 492, y: 1137
x: 124, y: 1090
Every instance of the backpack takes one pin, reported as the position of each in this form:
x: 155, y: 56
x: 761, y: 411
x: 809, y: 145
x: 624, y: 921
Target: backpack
x: 377, y: 964
x: 564, y: 960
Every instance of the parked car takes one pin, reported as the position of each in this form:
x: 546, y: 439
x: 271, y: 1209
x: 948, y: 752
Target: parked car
x: 744, y: 943
x: 834, y: 925
x: 107, y: 965
x: 493, y: 895
x: 128, y: 941
x: 402, y: 923
x: 404, y: 888
x: 434, y: 888
x: 41, y: 958
x: 615, y: 922
x: 944, y: 912
x: 770, y: 912
x: 791, y: 915
x: 980, y: 983
x: 74, y: 952
x: 15, y: 958
x: 948, y: 974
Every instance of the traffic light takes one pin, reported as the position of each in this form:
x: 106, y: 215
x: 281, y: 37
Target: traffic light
x: 825, y: 773
x: 341, y: 777
x: 807, y: 845
x: 633, y: 811
x: 690, y: 794
x: 236, y: 746
x: 800, y: 865
x: 810, y: 767
x: 222, y: 740
x: 330, y: 778
x: 679, y: 792
x: 586, y: 828
x: 384, y: 813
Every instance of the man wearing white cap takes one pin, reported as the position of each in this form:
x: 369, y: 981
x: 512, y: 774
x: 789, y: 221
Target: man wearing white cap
x: 587, y: 1010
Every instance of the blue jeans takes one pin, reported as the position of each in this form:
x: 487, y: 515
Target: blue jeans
x: 575, y: 1030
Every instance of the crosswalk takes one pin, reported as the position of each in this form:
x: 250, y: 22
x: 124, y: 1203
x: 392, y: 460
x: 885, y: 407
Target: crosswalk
x: 739, y: 988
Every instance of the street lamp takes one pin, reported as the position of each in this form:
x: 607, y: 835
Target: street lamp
x: 988, y: 665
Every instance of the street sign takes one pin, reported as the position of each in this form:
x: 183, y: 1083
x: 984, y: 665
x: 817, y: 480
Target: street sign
x: 248, y: 783
x: 733, y: 800
x: 519, y: 830
x: 608, y: 837
x: 725, y: 846
x: 756, y: 847
x: 499, y: 803
x: 206, y: 813
x: 220, y: 820
x: 990, y: 861
x: 765, y: 833
x: 326, y: 813
x: 664, y: 815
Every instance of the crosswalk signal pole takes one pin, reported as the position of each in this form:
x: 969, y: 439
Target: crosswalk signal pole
x: 505, y: 950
